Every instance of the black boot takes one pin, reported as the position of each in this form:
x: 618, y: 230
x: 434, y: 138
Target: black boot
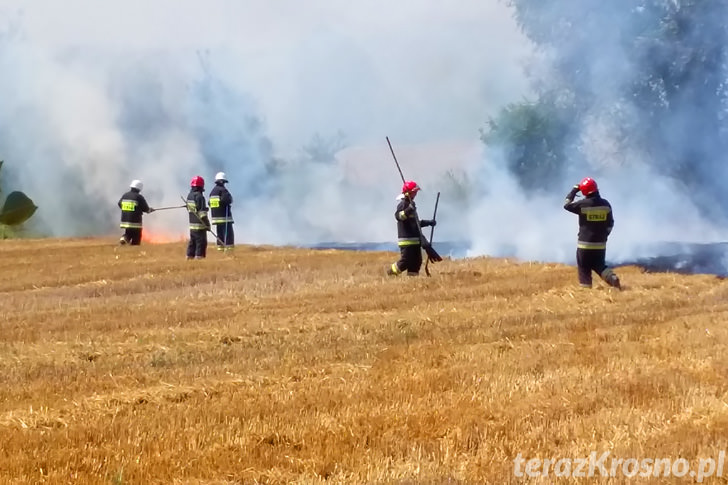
x: 614, y: 281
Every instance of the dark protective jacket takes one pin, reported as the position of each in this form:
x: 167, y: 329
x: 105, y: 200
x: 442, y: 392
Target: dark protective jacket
x: 197, y: 208
x: 132, y: 205
x: 595, y: 219
x: 220, y: 202
x: 408, y: 234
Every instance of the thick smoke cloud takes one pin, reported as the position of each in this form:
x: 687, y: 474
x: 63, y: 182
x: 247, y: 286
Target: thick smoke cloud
x: 293, y: 100
x: 98, y: 93
x: 657, y: 146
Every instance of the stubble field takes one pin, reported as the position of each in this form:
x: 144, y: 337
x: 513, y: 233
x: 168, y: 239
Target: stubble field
x: 275, y: 365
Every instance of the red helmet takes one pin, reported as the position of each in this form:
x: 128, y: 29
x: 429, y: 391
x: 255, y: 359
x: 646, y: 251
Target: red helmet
x: 588, y: 186
x: 410, y: 186
x: 197, y: 181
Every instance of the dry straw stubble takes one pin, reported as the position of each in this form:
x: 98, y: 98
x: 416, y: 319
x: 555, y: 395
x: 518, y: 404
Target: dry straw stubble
x: 282, y: 365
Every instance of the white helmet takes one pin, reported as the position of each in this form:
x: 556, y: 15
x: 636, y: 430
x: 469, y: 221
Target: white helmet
x: 220, y: 176
x: 136, y: 184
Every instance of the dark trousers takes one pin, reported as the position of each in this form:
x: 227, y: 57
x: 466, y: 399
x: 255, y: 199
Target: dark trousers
x: 133, y: 235
x: 197, y: 247
x: 588, y: 260
x: 225, y: 235
x: 410, y: 260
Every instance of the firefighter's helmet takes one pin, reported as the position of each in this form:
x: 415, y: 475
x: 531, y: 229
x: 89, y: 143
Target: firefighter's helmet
x: 136, y: 184
x: 410, y: 187
x: 197, y: 181
x: 220, y: 177
x: 588, y: 186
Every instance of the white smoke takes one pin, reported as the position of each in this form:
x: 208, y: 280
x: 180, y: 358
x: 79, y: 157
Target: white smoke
x: 99, y: 93
x: 650, y: 208
x: 96, y: 94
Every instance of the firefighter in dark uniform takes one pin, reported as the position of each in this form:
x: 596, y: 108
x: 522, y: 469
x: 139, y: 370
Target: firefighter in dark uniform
x: 595, y: 224
x: 199, y: 222
x: 221, y: 214
x: 409, y: 236
x: 133, y: 205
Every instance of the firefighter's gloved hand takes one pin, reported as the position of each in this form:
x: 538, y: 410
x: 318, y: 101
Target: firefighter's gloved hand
x: 427, y: 222
x: 151, y: 209
x: 574, y: 190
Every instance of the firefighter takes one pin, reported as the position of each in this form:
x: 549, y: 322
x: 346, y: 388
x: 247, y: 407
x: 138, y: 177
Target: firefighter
x: 199, y: 223
x: 595, y: 224
x: 409, y: 236
x: 221, y: 214
x: 133, y: 205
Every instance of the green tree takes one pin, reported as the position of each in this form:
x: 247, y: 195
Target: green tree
x: 656, y: 70
x: 532, y: 136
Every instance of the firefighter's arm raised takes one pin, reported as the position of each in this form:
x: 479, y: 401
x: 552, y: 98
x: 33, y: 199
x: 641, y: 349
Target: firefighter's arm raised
x: 405, y: 209
x: 569, y: 203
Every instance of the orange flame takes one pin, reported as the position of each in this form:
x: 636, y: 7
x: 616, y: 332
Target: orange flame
x: 160, y: 238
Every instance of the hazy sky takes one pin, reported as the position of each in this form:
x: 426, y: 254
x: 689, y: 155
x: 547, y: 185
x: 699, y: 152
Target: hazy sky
x: 417, y: 68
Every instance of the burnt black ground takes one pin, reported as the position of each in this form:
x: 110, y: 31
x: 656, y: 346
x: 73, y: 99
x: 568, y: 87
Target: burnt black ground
x: 683, y: 258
